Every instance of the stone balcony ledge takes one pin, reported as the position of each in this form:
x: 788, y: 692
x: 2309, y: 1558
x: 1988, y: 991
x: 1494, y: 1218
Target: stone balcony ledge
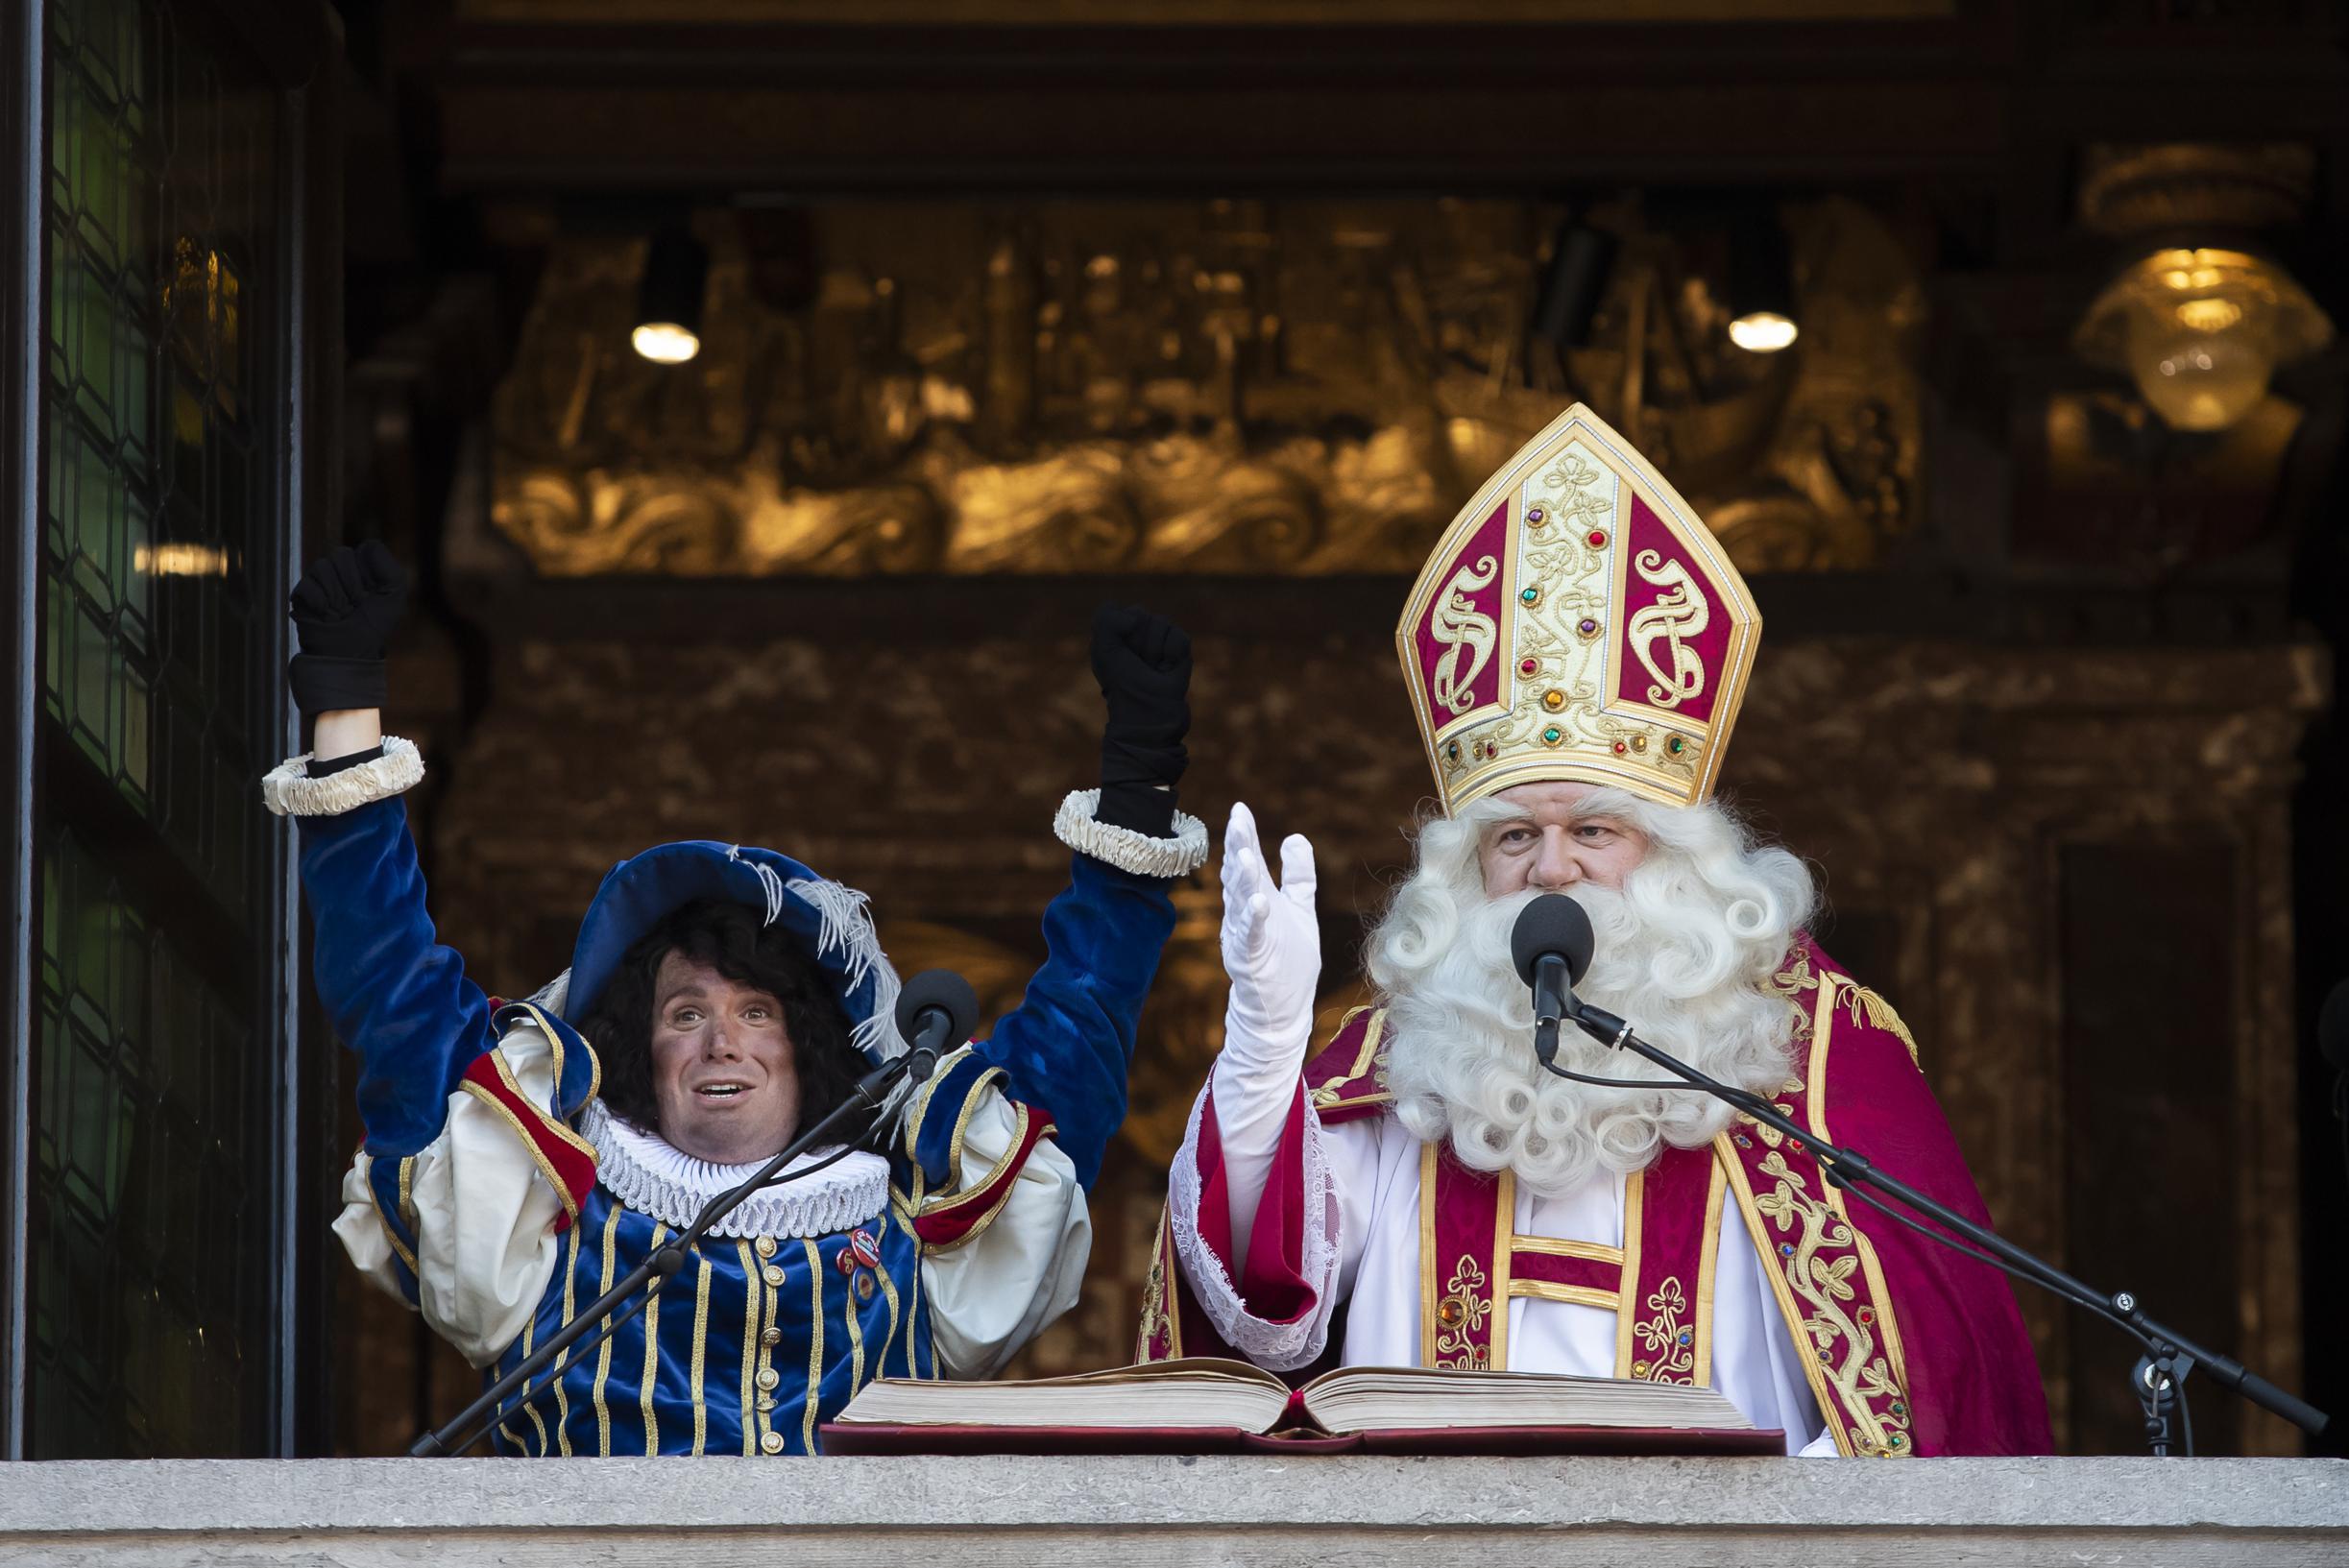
x: 1141, y: 1513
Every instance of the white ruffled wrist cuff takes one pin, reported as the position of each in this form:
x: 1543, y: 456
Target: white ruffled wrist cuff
x: 289, y: 790
x: 1076, y: 826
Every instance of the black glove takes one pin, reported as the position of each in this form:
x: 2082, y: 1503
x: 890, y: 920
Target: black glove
x: 1143, y: 663
x: 344, y: 610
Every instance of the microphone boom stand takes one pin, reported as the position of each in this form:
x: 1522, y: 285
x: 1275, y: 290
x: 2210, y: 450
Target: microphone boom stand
x: 2169, y: 1355
x: 471, y: 1423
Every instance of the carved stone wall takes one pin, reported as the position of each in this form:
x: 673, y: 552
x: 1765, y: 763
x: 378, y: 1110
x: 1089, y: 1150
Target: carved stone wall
x: 1936, y: 787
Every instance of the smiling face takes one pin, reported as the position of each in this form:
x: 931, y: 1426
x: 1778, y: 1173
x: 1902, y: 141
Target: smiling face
x: 1556, y: 844
x: 725, y: 1074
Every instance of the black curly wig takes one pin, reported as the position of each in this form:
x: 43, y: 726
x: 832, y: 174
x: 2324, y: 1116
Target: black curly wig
x: 730, y: 939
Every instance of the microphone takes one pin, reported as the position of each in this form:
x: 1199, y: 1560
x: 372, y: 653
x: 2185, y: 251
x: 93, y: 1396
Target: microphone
x: 1551, y: 947
x: 935, y: 1012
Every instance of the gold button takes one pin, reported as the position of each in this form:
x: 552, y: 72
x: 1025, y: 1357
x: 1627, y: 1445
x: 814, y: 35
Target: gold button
x: 1640, y: 1370
x: 764, y: 1247
x: 768, y: 1377
x: 773, y: 1442
x: 773, y: 1274
x: 770, y: 1337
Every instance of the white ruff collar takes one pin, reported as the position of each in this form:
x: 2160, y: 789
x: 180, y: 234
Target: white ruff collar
x: 654, y: 1178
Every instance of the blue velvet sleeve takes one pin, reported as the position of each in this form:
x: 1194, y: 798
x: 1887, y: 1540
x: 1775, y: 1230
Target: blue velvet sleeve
x: 396, y: 997
x: 1066, y: 1048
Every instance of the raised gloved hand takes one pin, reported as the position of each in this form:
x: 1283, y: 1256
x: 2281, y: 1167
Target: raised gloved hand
x: 1271, y: 948
x: 1143, y: 663
x: 344, y: 610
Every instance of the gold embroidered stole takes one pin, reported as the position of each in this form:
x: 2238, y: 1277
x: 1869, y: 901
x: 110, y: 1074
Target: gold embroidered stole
x: 1824, y: 1275
x: 1660, y: 1283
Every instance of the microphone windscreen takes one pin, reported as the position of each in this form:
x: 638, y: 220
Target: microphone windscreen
x: 942, y: 989
x: 1552, y: 923
x: 2333, y: 1028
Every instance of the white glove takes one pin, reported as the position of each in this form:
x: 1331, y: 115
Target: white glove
x: 1271, y: 950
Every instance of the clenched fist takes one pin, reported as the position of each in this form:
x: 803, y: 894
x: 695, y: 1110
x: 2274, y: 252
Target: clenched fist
x: 1143, y: 663
x: 344, y: 610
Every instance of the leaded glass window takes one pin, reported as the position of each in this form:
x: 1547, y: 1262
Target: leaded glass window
x: 148, y: 1265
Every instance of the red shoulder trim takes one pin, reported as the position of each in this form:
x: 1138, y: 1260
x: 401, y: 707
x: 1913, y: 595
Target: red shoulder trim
x: 959, y: 1219
x: 564, y: 1158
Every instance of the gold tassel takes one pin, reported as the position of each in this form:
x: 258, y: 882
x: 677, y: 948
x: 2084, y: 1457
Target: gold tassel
x: 1879, y: 1013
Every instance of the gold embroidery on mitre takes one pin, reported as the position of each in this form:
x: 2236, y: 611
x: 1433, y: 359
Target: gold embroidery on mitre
x: 1462, y: 629
x: 1680, y: 612
x: 1554, y: 632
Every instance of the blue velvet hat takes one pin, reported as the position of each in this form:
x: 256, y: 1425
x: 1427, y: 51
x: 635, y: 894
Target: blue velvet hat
x: 830, y: 921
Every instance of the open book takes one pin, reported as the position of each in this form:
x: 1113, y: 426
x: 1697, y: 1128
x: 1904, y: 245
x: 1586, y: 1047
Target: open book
x: 1200, y: 1406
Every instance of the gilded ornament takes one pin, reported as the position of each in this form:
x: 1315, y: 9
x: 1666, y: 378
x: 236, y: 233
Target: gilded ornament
x: 957, y: 400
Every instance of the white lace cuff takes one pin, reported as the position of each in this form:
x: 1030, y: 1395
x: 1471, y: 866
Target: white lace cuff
x: 289, y: 790
x: 1279, y: 1347
x: 1079, y: 827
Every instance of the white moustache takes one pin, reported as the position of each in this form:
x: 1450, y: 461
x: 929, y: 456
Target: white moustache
x: 1666, y: 955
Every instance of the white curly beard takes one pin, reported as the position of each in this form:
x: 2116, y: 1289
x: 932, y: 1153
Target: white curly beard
x: 1683, y: 951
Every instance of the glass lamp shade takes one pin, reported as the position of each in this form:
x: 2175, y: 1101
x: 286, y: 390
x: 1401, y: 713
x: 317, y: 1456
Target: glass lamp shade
x: 2200, y: 331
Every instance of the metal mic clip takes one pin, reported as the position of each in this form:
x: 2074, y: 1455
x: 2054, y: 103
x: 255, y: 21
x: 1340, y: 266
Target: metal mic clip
x: 1545, y: 1040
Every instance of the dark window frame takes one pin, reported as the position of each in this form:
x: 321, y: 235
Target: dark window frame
x: 294, y: 48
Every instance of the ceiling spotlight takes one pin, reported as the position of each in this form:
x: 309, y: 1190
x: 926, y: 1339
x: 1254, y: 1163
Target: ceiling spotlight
x: 1760, y: 285
x: 1580, y: 258
x: 669, y: 304
x: 1764, y: 331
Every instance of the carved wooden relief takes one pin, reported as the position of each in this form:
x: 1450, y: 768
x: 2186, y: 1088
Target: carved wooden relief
x: 1296, y: 388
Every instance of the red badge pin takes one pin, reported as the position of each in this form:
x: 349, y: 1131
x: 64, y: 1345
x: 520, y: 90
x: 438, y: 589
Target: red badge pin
x: 866, y: 1250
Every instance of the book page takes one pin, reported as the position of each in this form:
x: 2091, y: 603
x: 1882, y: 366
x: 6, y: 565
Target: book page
x: 1196, y: 1391
x: 1380, y: 1398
